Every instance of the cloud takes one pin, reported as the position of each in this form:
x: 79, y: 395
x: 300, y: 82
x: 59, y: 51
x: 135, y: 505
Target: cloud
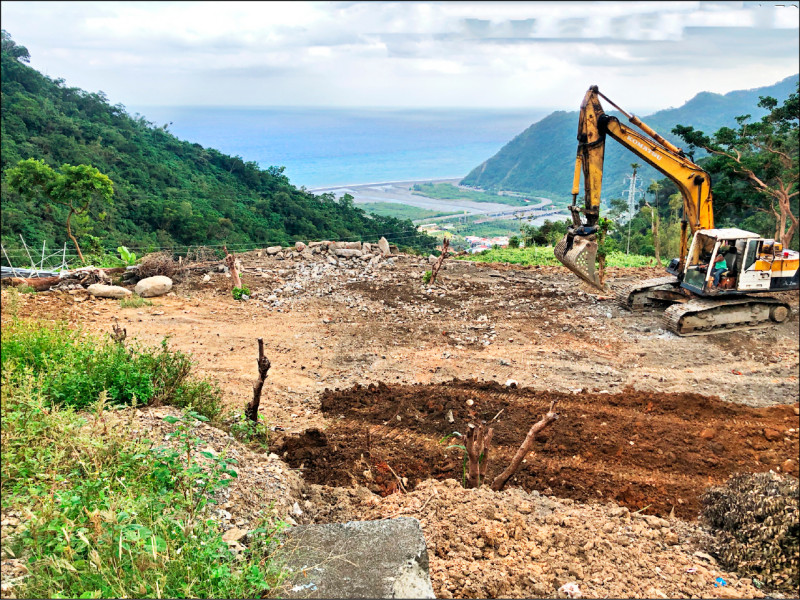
x: 406, y: 53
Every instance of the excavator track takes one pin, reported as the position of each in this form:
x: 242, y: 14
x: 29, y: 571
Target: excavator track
x: 634, y: 296
x: 706, y: 316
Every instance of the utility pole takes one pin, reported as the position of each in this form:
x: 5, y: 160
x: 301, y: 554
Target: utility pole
x: 633, y: 189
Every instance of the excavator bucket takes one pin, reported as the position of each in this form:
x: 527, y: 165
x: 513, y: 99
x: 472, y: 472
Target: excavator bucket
x: 578, y: 254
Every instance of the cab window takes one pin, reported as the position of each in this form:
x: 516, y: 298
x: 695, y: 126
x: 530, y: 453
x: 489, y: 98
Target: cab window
x: 750, y: 255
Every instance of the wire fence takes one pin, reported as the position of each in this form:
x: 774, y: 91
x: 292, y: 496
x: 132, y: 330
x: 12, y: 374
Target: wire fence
x: 53, y: 261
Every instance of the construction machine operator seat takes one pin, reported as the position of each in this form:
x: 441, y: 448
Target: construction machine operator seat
x: 732, y: 260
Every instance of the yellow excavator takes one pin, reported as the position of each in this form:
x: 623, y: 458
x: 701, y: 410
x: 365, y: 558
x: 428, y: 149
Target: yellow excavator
x: 711, y: 286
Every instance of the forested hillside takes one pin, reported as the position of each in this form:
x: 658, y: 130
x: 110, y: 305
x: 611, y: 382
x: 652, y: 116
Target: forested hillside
x: 167, y: 192
x: 541, y: 158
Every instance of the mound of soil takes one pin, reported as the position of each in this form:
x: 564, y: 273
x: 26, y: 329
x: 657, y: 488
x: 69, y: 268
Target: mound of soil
x: 647, y: 451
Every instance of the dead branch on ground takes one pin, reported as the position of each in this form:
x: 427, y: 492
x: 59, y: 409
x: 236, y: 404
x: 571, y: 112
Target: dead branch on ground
x: 251, y: 410
x: 477, y: 442
x: 230, y: 262
x: 438, y: 265
x: 39, y: 284
x: 118, y: 334
x: 501, y: 480
x: 158, y: 263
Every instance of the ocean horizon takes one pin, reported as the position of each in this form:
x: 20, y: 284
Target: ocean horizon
x: 336, y: 147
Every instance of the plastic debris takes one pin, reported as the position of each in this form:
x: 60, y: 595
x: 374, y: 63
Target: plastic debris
x: 571, y: 589
x: 720, y: 582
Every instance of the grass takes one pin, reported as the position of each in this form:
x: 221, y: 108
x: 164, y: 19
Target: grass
x: 448, y: 191
x: 402, y: 211
x: 543, y: 255
x: 134, y: 301
x: 109, y: 515
x: 73, y: 368
x: 104, y: 512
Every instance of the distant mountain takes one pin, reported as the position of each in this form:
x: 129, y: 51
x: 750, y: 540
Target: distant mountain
x: 541, y: 158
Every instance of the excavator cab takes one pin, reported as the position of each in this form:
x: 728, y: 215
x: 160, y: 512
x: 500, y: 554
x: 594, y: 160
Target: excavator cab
x: 752, y: 263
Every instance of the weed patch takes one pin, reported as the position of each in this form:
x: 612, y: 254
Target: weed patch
x: 543, y: 255
x: 134, y: 301
x: 73, y: 368
x: 111, y: 515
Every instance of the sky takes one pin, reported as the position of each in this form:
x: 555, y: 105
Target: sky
x: 644, y: 55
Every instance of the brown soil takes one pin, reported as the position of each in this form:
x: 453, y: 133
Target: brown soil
x: 651, y: 452
x: 387, y: 347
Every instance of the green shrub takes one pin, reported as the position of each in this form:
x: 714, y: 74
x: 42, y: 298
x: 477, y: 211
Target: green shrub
x: 248, y: 432
x: 108, y: 515
x: 543, y: 255
x: 238, y: 292
x: 26, y: 289
x: 426, y: 277
x: 128, y: 257
x: 73, y: 368
x: 513, y: 242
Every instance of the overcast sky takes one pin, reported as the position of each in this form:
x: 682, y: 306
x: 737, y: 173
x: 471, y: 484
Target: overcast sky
x: 643, y: 55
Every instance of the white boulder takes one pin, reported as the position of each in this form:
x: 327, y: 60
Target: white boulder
x: 107, y: 291
x: 153, y: 286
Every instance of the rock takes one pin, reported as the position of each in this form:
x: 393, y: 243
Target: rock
x: 789, y: 466
x: 383, y: 246
x: 332, y: 261
x: 108, y: 291
x: 671, y: 539
x: 360, y: 559
x: 233, y: 535
x: 512, y: 383
x: 299, y: 246
x: 656, y: 522
x: 206, y: 278
x: 153, y: 286
x: 432, y: 259
x: 352, y: 246
x: 708, y: 433
x: 347, y: 252
x: 273, y: 250
x: 772, y: 435
x: 366, y: 248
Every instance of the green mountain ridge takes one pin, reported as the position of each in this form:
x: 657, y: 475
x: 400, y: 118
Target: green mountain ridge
x: 541, y: 158
x: 168, y: 193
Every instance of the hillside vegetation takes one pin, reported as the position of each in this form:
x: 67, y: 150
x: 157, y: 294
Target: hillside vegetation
x: 167, y: 192
x: 540, y: 159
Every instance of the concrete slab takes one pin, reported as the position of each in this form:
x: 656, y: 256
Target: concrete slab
x: 360, y: 559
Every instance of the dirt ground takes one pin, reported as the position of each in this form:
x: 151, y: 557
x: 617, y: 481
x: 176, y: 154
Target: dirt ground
x: 383, y: 367
x: 651, y: 452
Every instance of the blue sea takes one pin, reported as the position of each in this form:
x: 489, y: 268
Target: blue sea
x: 323, y: 147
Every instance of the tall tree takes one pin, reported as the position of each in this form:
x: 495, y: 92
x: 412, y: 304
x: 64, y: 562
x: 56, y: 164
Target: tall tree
x: 654, y: 188
x: 79, y: 188
x: 765, y: 155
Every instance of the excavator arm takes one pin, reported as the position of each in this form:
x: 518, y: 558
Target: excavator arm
x: 578, y: 249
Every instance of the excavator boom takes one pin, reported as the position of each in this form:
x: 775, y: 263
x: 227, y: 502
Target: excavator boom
x: 578, y: 250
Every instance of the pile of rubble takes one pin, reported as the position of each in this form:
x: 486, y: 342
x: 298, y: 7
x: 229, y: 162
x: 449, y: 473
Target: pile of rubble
x: 334, y: 251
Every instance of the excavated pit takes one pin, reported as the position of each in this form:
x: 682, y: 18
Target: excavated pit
x: 648, y: 451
